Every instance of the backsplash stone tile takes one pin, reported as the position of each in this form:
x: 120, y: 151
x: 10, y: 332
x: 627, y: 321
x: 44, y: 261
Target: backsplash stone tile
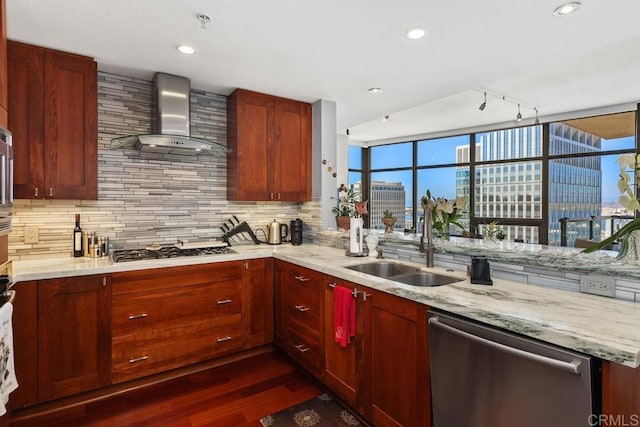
x: 147, y: 197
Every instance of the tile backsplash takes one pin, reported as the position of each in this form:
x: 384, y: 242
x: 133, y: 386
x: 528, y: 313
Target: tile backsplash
x: 145, y: 197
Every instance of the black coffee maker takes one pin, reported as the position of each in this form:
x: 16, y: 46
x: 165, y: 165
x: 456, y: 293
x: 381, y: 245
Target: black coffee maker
x: 296, y: 231
x: 480, y: 271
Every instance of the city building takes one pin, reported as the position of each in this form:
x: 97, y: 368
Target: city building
x: 514, y: 189
x: 384, y: 196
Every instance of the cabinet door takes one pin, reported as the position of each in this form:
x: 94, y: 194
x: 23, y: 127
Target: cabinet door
x: 26, y: 119
x: 250, y: 136
x: 291, y: 151
x: 620, y: 393
x: 257, y: 303
x: 74, y: 335
x: 25, y: 330
x: 344, y: 366
x: 70, y: 126
x: 399, y: 365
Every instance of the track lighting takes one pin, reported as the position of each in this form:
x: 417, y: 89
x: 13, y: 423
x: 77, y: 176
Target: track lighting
x: 520, y: 105
x: 484, y: 103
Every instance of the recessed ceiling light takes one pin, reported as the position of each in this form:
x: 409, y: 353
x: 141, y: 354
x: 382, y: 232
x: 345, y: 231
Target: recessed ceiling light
x: 415, y: 33
x: 375, y: 90
x: 567, y: 8
x: 386, y: 118
x: 187, y: 50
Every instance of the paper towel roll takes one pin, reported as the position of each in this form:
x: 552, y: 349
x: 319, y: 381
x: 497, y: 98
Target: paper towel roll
x: 356, y: 228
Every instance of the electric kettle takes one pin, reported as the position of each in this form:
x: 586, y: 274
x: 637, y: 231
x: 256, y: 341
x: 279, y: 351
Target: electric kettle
x: 276, y: 233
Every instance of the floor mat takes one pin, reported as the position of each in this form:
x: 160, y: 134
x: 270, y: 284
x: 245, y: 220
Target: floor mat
x: 319, y: 411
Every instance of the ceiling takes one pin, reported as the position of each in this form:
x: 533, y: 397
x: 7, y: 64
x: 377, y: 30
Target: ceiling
x: 336, y: 50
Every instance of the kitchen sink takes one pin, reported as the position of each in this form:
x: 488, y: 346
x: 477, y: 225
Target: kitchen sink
x: 403, y: 273
x: 425, y: 278
x: 383, y: 268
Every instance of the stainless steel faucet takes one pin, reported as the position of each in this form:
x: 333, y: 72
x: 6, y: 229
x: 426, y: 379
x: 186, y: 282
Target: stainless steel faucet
x: 427, y: 233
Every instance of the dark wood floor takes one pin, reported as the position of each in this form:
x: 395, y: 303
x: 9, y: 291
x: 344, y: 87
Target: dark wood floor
x: 238, y: 394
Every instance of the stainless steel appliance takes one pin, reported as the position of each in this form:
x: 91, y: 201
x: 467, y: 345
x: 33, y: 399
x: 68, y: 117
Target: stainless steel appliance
x: 172, y: 128
x: 277, y: 233
x: 6, y: 181
x: 166, y: 252
x: 481, y: 377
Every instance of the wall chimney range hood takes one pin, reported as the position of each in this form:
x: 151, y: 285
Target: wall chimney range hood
x: 172, y: 133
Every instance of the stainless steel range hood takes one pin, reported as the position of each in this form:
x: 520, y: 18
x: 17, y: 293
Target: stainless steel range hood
x: 172, y: 133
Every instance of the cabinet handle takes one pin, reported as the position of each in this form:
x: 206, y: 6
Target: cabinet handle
x: 278, y: 196
x: 104, y: 282
x: 50, y: 191
x: 301, y: 278
x: 138, y: 316
x: 35, y: 193
x: 246, y: 265
x: 224, y: 301
x: 302, y: 308
x: 302, y: 348
x: 138, y: 359
x: 223, y: 339
x: 271, y: 196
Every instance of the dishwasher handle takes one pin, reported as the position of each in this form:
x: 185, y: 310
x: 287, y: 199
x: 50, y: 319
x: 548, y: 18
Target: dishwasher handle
x: 570, y: 367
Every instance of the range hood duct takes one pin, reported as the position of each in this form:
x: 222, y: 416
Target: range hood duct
x: 171, y: 132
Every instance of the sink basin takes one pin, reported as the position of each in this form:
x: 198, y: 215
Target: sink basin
x: 425, y: 278
x: 403, y: 273
x: 383, y: 268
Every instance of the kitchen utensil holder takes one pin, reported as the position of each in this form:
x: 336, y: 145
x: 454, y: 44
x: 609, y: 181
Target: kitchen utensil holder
x: 243, y: 227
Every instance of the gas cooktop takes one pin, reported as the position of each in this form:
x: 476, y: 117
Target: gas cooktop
x: 166, y: 252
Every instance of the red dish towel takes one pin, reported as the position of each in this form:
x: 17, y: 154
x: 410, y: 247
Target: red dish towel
x: 344, y: 315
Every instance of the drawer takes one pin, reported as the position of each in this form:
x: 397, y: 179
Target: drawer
x: 303, y: 305
x: 304, y: 348
x: 175, y: 277
x: 161, y: 349
x: 161, y: 309
x: 304, y: 277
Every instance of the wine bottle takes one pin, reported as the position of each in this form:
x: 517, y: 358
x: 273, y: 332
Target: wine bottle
x: 77, y: 238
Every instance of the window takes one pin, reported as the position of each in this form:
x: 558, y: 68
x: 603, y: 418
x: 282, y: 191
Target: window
x: 510, y: 178
x: 391, y: 185
x: 583, y: 176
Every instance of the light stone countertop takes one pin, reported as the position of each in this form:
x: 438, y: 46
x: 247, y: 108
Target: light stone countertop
x: 599, y: 326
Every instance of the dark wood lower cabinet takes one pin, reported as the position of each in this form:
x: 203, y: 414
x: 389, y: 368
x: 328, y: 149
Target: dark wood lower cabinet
x: 74, y: 335
x: 344, y: 366
x: 25, y: 329
x: 620, y: 395
x: 257, y: 303
x: 398, y: 364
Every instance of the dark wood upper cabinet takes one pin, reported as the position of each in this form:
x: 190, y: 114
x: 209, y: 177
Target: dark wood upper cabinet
x: 270, y: 139
x: 54, y: 122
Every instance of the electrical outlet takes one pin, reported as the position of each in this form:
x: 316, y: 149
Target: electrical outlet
x: 598, y: 285
x: 31, y: 234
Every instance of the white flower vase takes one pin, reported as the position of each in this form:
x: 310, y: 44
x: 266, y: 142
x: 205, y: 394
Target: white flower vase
x: 372, y: 242
x: 633, y: 252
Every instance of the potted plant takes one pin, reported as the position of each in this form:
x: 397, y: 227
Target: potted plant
x: 345, y: 207
x: 388, y: 220
x: 444, y: 213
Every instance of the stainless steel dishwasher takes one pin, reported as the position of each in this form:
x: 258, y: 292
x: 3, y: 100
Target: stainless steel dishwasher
x: 485, y: 377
